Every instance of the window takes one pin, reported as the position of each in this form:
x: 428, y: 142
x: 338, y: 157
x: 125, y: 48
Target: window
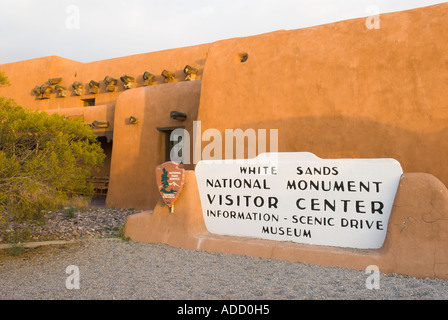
x: 88, y: 102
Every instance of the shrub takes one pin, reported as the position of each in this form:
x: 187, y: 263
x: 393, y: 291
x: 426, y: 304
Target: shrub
x: 44, y: 161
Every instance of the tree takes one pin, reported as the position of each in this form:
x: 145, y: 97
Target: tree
x: 164, y: 180
x: 3, y: 79
x: 44, y: 160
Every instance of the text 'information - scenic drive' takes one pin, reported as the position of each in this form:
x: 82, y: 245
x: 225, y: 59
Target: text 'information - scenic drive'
x: 301, y: 198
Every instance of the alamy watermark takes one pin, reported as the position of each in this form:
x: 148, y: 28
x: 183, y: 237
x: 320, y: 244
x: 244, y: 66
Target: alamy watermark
x: 373, y: 20
x: 235, y: 145
x: 373, y: 280
x: 73, y: 19
x: 72, y: 281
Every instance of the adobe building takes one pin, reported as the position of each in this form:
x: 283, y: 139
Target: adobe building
x: 339, y: 90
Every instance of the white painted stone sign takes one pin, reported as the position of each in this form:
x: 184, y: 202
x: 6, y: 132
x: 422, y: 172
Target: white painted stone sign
x: 301, y: 198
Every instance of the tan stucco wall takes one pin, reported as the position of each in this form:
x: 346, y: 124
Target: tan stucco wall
x: 139, y: 148
x: 25, y: 75
x: 340, y: 90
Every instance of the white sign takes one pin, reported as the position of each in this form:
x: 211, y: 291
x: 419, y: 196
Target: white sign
x: 301, y: 198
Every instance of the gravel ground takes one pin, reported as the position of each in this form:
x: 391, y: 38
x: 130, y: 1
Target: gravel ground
x: 111, y: 268
x: 116, y: 269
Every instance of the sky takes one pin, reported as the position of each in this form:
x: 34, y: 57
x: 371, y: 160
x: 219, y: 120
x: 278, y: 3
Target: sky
x: 94, y: 30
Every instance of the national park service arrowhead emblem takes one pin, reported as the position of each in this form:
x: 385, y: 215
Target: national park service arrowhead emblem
x: 170, y: 180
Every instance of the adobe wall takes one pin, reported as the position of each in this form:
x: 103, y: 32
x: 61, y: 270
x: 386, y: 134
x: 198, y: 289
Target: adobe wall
x: 25, y: 75
x: 340, y: 90
x: 139, y: 148
x: 136, y: 149
x: 415, y: 243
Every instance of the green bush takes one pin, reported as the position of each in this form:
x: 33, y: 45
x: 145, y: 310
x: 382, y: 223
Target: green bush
x: 70, y: 212
x: 44, y: 161
x: 4, y: 81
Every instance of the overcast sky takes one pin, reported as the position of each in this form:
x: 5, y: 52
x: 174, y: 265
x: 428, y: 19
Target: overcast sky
x: 101, y: 29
